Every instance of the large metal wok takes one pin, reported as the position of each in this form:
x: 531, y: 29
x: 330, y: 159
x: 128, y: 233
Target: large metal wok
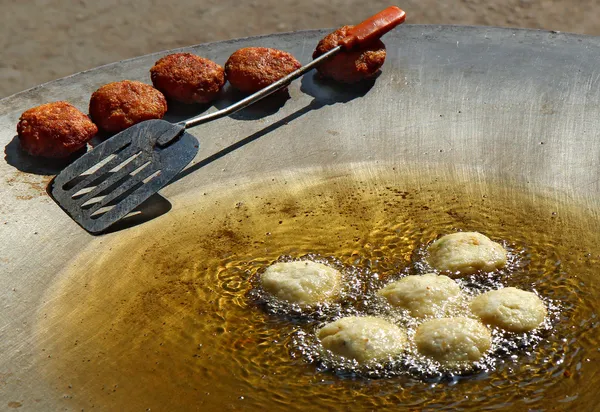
x: 518, y: 107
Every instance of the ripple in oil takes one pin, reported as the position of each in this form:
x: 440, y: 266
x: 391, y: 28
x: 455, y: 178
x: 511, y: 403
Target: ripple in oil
x: 167, y: 317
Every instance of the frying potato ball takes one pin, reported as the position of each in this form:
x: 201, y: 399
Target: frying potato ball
x: 302, y: 282
x: 511, y: 309
x: 453, y: 342
x: 253, y: 68
x: 116, y: 106
x: 363, y: 338
x: 349, y: 66
x: 466, y: 253
x: 188, y: 78
x: 426, y: 295
x: 54, y: 130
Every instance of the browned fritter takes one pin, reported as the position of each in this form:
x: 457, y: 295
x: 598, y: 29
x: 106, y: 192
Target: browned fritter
x: 116, y: 106
x: 54, y: 130
x: 188, y: 78
x: 254, y: 68
x: 352, y: 66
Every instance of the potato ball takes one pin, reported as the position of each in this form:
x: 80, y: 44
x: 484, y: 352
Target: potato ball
x: 116, y: 106
x: 254, y: 68
x: 511, y: 309
x: 466, y: 253
x: 188, y: 78
x: 426, y: 295
x: 302, y: 282
x: 54, y: 130
x: 349, y: 66
x: 363, y: 338
x: 453, y: 342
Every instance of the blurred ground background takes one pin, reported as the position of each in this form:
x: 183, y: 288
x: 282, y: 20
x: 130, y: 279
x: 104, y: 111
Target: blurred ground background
x: 42, y: 40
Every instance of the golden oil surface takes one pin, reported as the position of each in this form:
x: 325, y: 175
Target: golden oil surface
x: 166, y: 319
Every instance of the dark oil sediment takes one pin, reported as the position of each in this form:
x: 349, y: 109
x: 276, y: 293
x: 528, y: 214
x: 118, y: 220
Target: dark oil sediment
x: 168, y: 319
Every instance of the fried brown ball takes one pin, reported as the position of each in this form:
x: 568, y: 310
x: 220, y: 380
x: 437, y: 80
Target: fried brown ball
x: 116, y: 106
x: 188, y: 78
x: 349, y: 66
x: 254, y: 68
x: 54, y: 130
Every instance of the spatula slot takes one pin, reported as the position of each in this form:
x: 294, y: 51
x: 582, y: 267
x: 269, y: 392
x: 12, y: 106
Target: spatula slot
x: 152, y: 176
x: 139, y: 169
x: 71, y: 184
x: 99, y: 195
x: 123, y: 188
x: 111, y: 176
x: 98, y: 213
x: 108, y: 183
x: 102, y: 163
x: 91, y: 202
x: 82, y: 192
x: 112, y: 161
x: 113, y: 181
x: 92, y: 185
x: 98, y: 166
x: 125, y: 163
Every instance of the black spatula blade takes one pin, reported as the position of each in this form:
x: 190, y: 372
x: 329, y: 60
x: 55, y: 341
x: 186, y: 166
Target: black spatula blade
x: 110, y: 181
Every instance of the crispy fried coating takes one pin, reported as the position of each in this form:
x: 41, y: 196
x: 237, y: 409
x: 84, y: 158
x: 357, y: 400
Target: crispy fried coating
x: 188, y: 78
x: 54, y: 130
x: 116, y: 106
x: 254, y: 68
x: 352, y: 66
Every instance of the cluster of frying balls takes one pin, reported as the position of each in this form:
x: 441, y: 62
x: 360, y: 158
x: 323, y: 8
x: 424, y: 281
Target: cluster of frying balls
x: 453, y: 342
x: 58, y: 129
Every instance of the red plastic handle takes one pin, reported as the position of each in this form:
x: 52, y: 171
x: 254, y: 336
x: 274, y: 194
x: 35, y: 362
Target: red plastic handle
x: 373, y: 28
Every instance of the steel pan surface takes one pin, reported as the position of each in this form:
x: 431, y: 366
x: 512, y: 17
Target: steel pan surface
x: 514, y: 106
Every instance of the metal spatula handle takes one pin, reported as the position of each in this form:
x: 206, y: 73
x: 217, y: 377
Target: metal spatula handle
x: 272, y: 88
x: 107, y: 183
x: 361, y: 34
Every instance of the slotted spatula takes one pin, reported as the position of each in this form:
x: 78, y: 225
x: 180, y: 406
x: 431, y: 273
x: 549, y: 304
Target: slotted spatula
x: 111, y: 180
